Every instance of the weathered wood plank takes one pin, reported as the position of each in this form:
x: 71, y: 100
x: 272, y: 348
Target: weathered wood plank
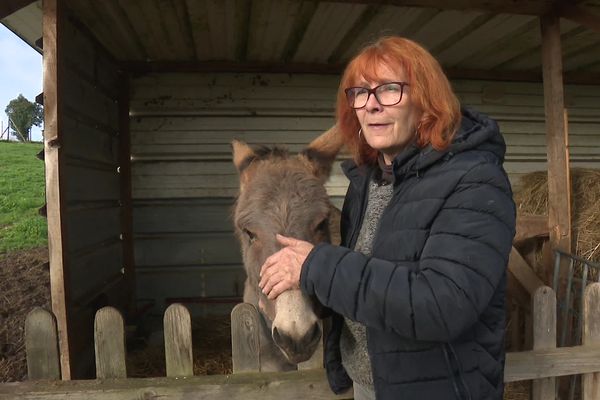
x: 245, y: 338
x: 562, y: 361
x: 591, y: 336
x: 41, y: 345
x: 105, y: 221
x: 192, y: 216
x: 213, y: 248
x: 531, y: 226
x: 523, y: 272
x: 559, y: 183
x: 92, y: 269
x: 544, y: 336
x: 250, y: 386
x: 109, y: 337
x: 54, y: 159
x: 178, y: 341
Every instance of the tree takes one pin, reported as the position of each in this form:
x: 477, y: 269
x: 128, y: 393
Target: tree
x: 22, y: 115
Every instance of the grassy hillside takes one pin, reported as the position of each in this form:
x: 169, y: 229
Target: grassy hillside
x: 21, y: 194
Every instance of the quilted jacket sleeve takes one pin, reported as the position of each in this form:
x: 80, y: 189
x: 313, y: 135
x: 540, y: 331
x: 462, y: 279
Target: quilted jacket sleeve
x: 461, y: 265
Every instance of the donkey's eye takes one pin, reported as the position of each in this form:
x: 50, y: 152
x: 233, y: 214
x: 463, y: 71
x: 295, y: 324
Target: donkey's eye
x: 251, y: 236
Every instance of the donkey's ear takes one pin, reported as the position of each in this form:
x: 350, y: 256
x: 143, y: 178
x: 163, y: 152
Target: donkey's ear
x: 242, y: 155
x: 322, y: 151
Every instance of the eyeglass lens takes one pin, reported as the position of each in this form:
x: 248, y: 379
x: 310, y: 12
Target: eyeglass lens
x: 387, y: 94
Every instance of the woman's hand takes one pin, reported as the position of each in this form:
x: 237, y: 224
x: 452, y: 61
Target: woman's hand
x: 281, y: 271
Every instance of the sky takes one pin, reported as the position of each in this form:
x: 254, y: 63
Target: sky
x: 20, y: 73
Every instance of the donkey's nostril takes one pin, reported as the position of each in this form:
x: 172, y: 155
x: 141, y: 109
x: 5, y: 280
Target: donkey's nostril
x: 283, y: 341
x: 311, y: 337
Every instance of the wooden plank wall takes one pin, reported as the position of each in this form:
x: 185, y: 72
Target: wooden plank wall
x: 183, y: 181
x: 91, y: 187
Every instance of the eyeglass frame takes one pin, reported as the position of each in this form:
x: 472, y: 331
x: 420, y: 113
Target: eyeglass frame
x: 373, y: 91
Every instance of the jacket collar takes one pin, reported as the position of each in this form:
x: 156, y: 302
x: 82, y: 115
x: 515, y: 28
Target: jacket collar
x: 476, y: 131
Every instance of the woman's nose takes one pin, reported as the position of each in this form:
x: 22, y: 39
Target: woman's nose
x: 372, y: 103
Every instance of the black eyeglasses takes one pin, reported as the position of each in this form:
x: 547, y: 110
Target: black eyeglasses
x: 387, y: 94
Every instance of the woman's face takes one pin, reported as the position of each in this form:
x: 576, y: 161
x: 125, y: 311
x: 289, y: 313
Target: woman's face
x: 388, y: 128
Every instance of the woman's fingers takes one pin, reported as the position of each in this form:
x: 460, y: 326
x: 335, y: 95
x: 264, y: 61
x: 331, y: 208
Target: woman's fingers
x: 279, y: 288
x: 281, y: 271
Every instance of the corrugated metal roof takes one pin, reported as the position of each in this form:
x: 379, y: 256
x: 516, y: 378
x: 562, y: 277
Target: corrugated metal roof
x: 327, y: 33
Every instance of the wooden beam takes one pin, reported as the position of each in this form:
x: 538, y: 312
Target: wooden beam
x: 547, y: 363
x: 531, y: 226
x: 559, y: 182
x: 523, y: 272
x: 311, y: 384
x: 7, y: 7
x: 142, y: 67
x: 55, y: 162
x: 308, y: 384
x: 580, y: 15
x: 525, y: 7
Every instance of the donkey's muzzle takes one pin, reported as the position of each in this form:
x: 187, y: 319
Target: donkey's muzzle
x: 298, y: 349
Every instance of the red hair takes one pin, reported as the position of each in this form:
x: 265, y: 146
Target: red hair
x: 430, y: 92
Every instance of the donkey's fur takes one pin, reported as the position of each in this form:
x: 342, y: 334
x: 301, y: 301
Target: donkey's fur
x: 282, y: 193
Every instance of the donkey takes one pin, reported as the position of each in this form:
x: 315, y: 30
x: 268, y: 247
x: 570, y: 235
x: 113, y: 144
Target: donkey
x: 283, y: 193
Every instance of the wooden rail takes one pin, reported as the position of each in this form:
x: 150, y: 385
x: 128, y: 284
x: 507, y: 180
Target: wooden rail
x: 542, y: 364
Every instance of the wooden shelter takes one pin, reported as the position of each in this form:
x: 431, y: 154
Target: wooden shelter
x: 142, y: 98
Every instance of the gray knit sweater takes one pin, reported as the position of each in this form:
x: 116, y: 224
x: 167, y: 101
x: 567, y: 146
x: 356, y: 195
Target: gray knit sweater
x: 353, y: 342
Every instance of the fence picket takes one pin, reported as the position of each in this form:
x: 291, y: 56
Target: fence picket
x: 245, y: 344
x: 591, y: 336
x: 109, y: 342
x: 178, y: 341
x: 544, y: 336
x: 41, y: 345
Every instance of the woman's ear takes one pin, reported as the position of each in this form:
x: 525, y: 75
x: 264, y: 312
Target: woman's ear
x: 322, y: 151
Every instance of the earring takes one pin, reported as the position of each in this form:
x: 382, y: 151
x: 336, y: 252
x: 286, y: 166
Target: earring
x: 359, y: 133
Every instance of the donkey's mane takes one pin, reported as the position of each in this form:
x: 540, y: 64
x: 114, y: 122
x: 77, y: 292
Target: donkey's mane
x: 264, y: 153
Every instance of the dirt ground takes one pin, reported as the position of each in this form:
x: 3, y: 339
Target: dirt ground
x: 24, y: 284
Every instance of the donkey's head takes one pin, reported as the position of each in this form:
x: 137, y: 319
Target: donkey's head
x: 283, y: 193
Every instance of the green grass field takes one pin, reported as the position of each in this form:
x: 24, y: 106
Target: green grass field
x: 21, y: 194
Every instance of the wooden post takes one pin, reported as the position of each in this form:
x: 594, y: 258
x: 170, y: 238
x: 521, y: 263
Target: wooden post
x: 245, y: 343
x: 178, y: 341
x: 54, y: 158
x: 559, y: 183
x: 591, y: 336
x: 544, y: 336
x: 41, y: 345
x: 109, y: 342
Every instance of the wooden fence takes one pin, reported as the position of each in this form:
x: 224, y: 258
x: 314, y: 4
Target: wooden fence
x: 542, y: 364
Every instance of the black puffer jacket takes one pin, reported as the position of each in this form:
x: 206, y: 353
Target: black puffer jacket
x: 432, y: 295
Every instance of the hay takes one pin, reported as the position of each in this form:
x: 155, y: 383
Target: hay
x: 532, y: 198
x: 211, y: 351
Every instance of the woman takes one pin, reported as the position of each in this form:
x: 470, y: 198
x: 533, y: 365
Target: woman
x: 418, y: 286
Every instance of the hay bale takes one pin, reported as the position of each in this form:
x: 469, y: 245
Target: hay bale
x: 531, y: 197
